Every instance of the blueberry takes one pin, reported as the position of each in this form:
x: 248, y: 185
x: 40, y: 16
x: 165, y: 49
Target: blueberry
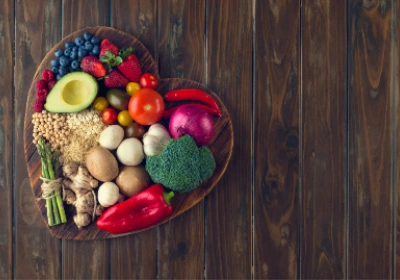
x: 59, y: 53
x: 96, y: 50
x: 82, y: 53
x: 79, y: 41
x: 87, y: 36
x: 54, y: 70
x: 62, y: 70
x: 55, y: 62
x: 64, y: 61
x: 69, y: 44
x: 95, y: 40
x: 88, y: 46
x: 58, y: 76
x: 67, y: 52
x: 73, y: 55
x: 75, y: 64
x: 75, y: 48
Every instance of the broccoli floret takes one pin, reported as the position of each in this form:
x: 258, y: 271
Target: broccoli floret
x: 181, y: 166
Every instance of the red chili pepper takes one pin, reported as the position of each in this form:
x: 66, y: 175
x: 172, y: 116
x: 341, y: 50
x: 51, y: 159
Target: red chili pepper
x: 168, y: 113
x: 140, y: 211
x: 191, y: 94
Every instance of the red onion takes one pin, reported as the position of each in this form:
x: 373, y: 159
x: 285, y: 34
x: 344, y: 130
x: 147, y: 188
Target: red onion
x: 194, y: 121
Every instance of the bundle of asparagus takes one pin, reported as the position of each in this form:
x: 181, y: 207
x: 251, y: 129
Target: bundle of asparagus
x: 54, y: 203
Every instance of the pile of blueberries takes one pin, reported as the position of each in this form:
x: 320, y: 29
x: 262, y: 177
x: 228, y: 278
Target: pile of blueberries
x: 69, y: 59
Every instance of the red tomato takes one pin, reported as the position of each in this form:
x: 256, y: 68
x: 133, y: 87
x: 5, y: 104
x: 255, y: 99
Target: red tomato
x: 146, y: 106
x: 148, y: 80
x: 109, y: 115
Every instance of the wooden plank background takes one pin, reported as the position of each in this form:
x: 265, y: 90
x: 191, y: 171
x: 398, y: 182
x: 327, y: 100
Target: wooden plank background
x: 312, y: 189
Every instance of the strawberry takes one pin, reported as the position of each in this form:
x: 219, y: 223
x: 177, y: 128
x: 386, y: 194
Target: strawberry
x: 130, y: 65
x: 92, y: 65
x: 108, y: 46
x: 126, y: 62
x: 115, y: 79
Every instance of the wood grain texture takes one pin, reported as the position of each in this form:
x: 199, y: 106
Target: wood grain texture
x: 85, y: 260
x: 6, y: 137
x: 180, y: 36
x: 229, y: 73
x: 371, y: 147
x: 138, y: 18
x: 135, y: 256
x: 277, y: 82
x: 37, y: 255
x: 395, y: 72
x: 324, y: 139
x: 78, y: 14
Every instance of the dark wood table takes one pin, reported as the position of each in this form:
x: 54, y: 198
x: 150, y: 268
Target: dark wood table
x: 311, y: 191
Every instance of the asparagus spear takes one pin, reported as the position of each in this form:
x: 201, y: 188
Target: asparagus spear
x: 49, y: 206
x: 54, y: 204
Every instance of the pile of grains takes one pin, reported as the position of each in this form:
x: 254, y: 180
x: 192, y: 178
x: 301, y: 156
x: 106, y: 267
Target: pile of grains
x: 84, y: 131
x: 51, y: 126
x: 73, y: 134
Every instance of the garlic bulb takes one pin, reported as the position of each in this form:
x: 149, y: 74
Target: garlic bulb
x: 155, y: 139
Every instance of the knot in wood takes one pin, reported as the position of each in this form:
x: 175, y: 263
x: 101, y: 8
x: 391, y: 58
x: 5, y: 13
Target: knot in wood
x: 271, y: 188
x: 291, y: 143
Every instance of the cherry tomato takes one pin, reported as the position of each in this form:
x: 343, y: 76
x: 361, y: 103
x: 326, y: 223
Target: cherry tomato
x: 109, y: 115
x: 124, y: 119
x: 132, y: 87
x: 100, y: 103
x: 134, y: 130
x: 148, y: 80
x: 146, y: 106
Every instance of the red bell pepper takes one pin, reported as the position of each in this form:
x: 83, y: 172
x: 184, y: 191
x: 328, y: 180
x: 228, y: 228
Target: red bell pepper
x: 140, y: 211
x: 192, y: 94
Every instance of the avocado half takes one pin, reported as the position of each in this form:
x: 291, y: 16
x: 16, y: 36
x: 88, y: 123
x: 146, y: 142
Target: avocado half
x: 72, y: 93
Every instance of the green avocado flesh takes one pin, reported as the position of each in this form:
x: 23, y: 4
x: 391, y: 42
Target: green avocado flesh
x: 72, y: 93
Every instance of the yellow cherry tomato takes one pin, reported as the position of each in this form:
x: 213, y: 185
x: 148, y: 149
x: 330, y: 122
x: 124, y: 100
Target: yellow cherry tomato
x: 124, y: 118
x: 132, y: 87
x: 100, y: 103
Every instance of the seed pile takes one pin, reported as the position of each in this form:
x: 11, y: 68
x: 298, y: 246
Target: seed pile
x: 51, y: 126
x: 85, y: 128
x: 72, y: 134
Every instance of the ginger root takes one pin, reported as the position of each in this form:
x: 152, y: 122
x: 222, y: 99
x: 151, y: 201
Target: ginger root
x: 79, y: 187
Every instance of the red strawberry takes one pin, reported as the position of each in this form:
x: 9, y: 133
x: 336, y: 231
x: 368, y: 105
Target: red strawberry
x: 51, y: 84
x: 130, y: 67
x: 126, y: 62
x: 41, y: 84
x: 106, y: 45
x: 47, y: 75
x: 38, y: 106
x: 92, y: 65
x: 115, y: 79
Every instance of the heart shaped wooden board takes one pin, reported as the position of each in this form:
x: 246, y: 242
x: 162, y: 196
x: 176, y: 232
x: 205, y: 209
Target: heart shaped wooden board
x: 220, y: 145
